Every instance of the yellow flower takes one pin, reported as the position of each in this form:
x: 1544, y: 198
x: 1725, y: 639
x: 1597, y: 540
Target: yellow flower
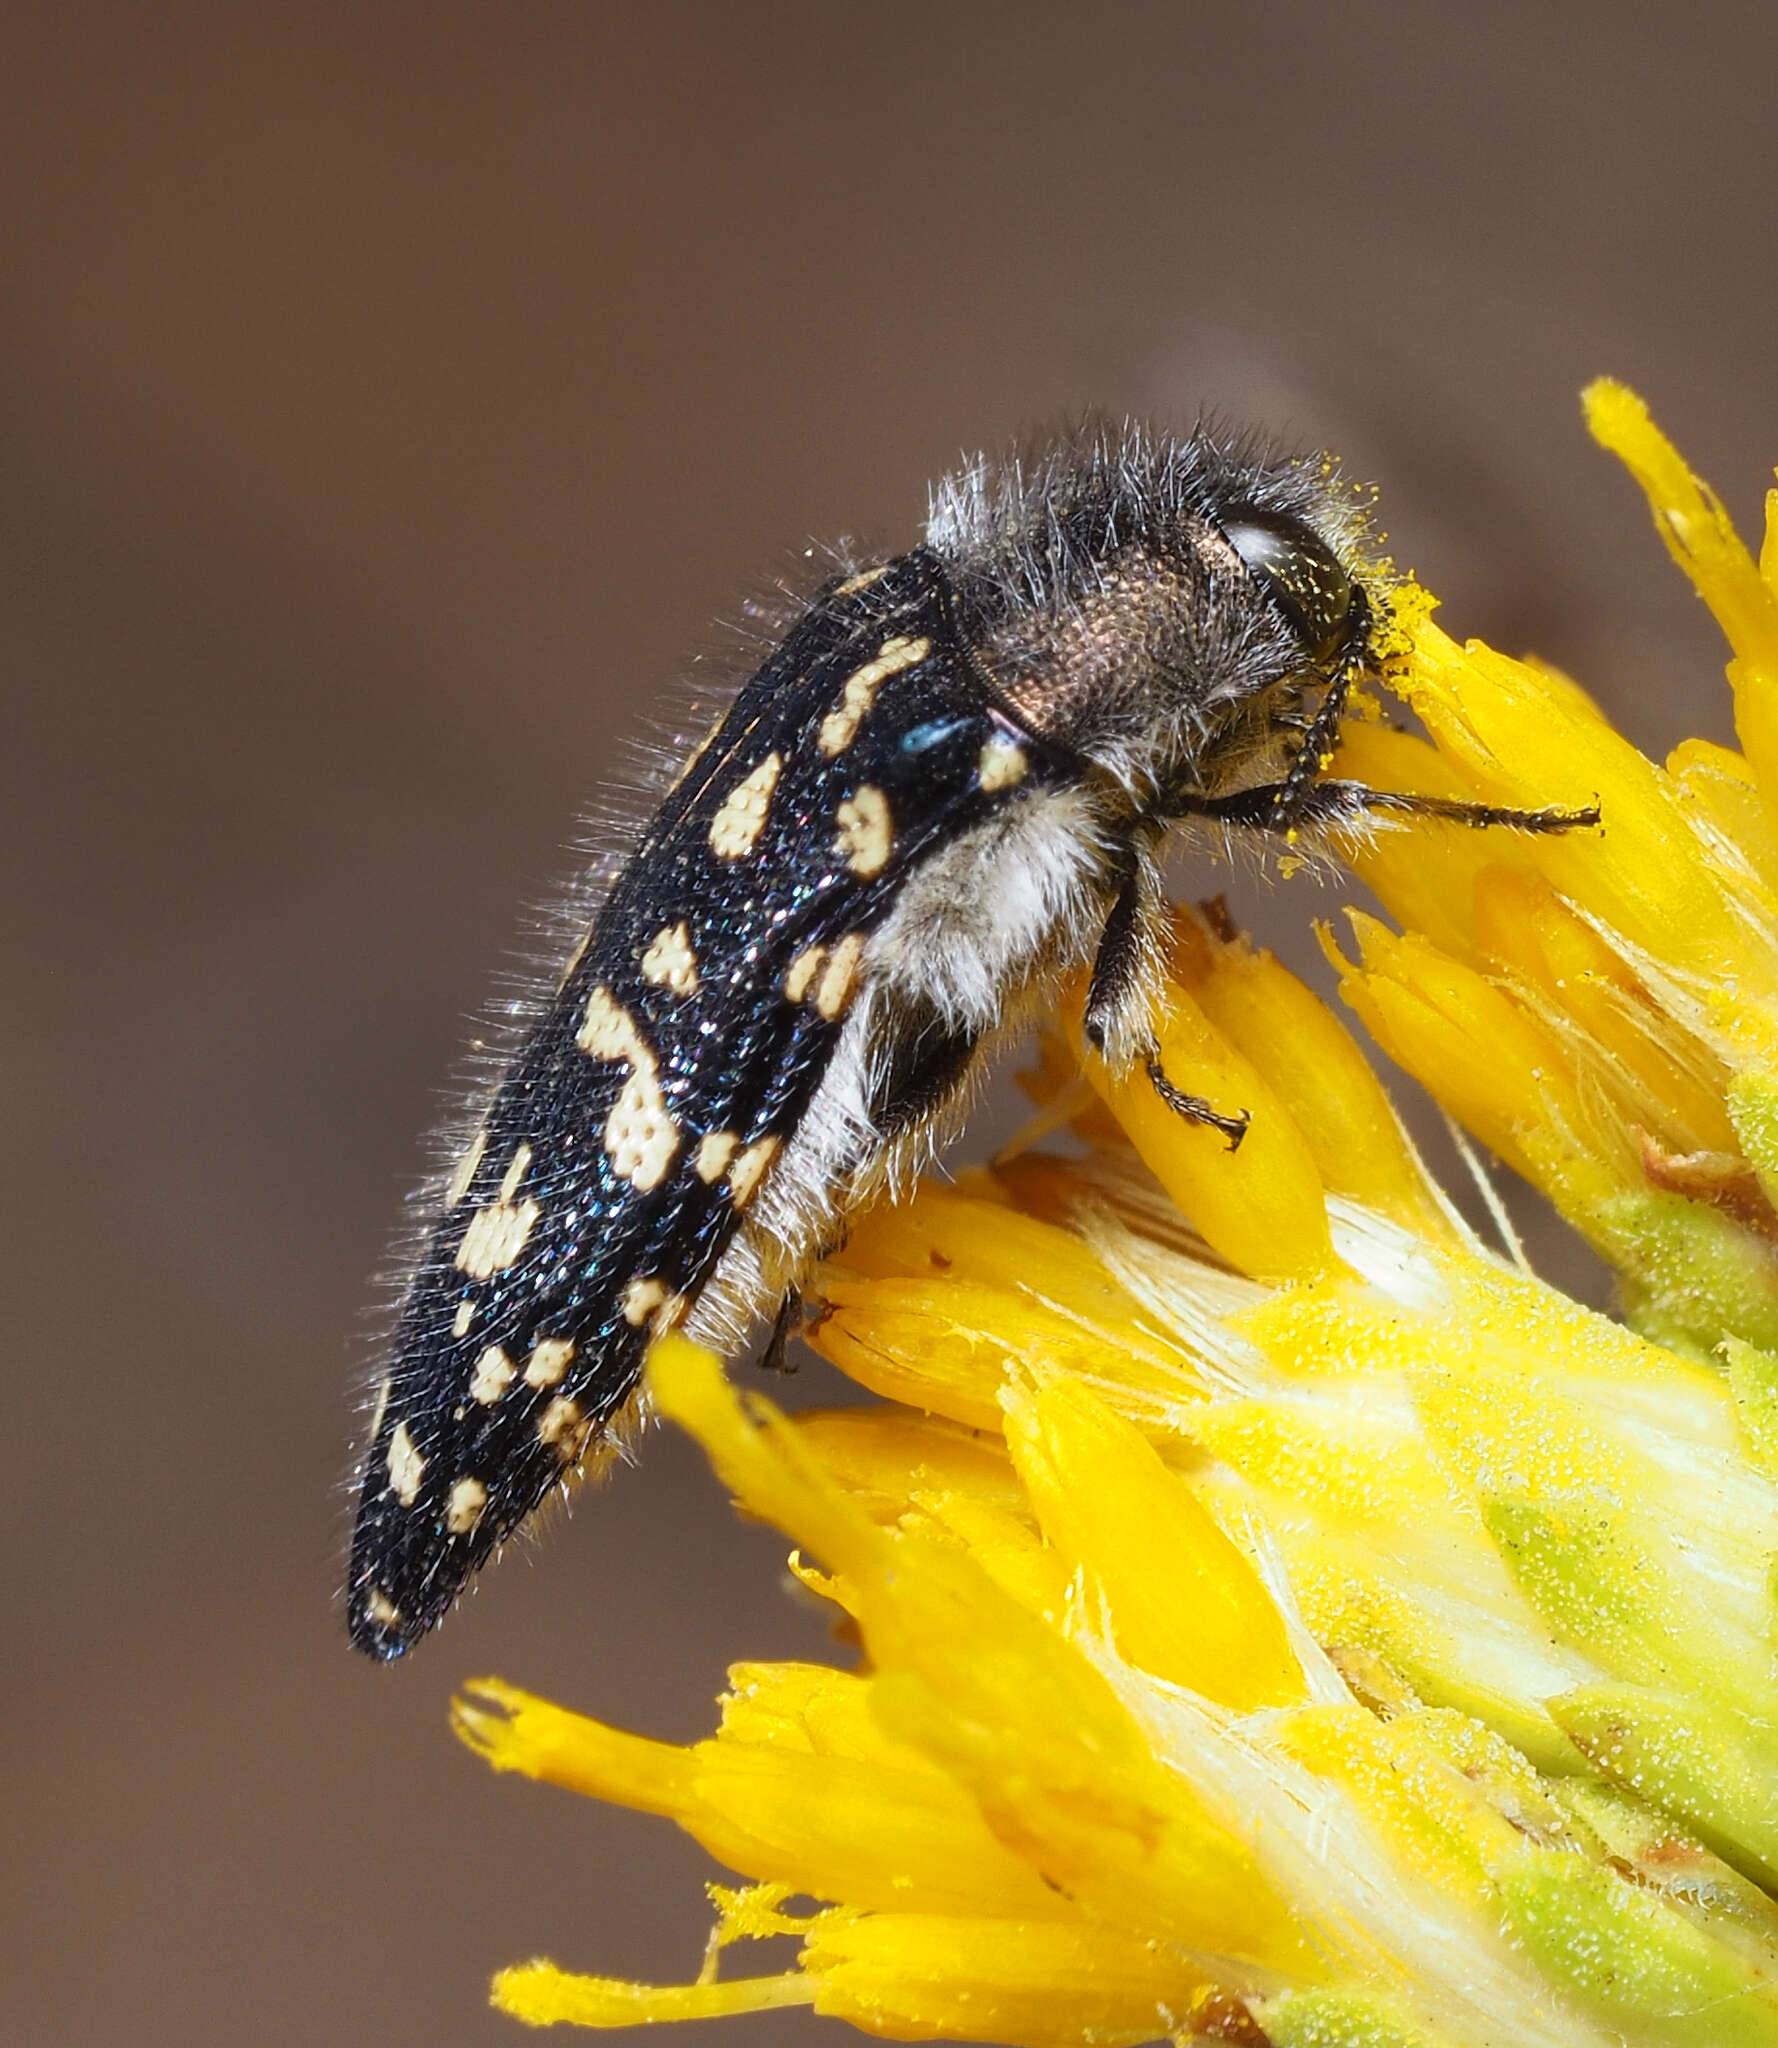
x: 1285, y: 1619
x: 1601, y: 1008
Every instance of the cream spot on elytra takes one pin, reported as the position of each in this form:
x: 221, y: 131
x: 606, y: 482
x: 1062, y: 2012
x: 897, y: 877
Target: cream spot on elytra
x: 494, y: 1373
x: 862, y: 581
x: 865, y: 835
x: 515, y: 1173
x: 1001, y: 764
x: 572, y: 964
x: 495, y: 1237
x: 549, y: 1360
x: 461, y: 1321
x: 608, y: 1031
x: 839, y: 977
x: 670, y: 961
x: 697, y: 753
x: 381, y: 1609
x: 640, y: 1135
x: 464, y: 1507
x: 406, y: 1466
x: 563, y: 1428
x: 742, y: 814
x: 748, y: 1171
x: 840, y: 727
x: 800, y: 977
x: 714, y: 1153
x: 641, y: 1299
x: 465, y: 1172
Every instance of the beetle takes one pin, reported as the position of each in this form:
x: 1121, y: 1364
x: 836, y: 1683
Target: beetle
x: 942, y: 791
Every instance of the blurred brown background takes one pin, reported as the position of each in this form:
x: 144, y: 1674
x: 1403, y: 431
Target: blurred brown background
x: 390, y: 399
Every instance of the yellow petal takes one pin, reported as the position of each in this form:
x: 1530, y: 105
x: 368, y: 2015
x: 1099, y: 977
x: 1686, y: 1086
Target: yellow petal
x: 1008, y: 1710
x: 1717, y: 788
x: 943, y: 1348
x: 1181, y: 1601
x: 1446, y: 1832
x: 886, y: 1456
x: 1261, y: 1204
x: 1643, y: 872
x: 1701, y: 538
x: 1423, y: 872
x: 512, y: 1730
x: 542, y: 1995
x: 1489, y: 1061
x: 881, y: 1827
x: 947, y: 1345
x: 1009, y: 1549
x: 1313, y: 1064
x: 918, y: 1978
x: 1664, y: 1080
x: 967, y: 1238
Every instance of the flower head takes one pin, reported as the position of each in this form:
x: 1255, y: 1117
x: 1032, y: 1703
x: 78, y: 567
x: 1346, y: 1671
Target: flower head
x: 1286, y: 1620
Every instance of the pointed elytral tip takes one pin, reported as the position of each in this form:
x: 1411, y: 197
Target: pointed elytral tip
x: 382, y: 1636
x: 380, y: 1645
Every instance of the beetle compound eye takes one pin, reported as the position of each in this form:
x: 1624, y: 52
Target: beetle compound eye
x: 1302, y: 573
